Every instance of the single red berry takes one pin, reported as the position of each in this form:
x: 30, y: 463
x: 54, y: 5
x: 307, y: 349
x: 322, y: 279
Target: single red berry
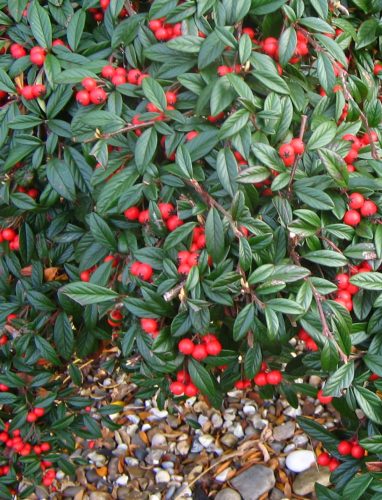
x: 177, y: 388
x: 33, y: 193
x: 260, y: 379
x: 85, y: 276
x: 37, y: 56
x: 144, y: 217
x: 344, y: 448
x: 191, y: 390
x: 171, y: 97
x: 351, y: 156
x: 344, y: 295
x: 224, y: 70
x: 133, y: 76
x: 17, y: 51
x: 352, y: 218
x: 369, y: 208
x: 9, y: 234
x: 324, y: 399
x: 184, y: 269
x: 173, y: 222
x: 38, y: 90
x: 89, y: 83
x: 193, y: 259
x: 108, y: 72
x: 83, y: 97
x: 352, y: 289
x: 377, y: 69
x: 161, y: 34
x: 98, y: 96
x: 342, y: 281
x: 287, y: 154
x: 31, y: 417
x: 155, y: 24
x: 298, y: 146
x: 166, y: 210
x: 357, y: 451
x: 145, y: 272
x: 183, y: 376
x: 333, y: 464
x: 311, y: 345
x: 274, y: 377
x: 214, y: 348
x: 200, y: 352
x: 28, y: 92
x: 58, y: 43
x: 40, y: 412
x: 132, y: 213
x: 323, y: 459
x: 270, y: 46
x: 11, y: 317
x: 356, y: 201
x: 104, y: 4
x: 249, y: 31
x: 191, y: 135
x: 149, y: 325
x: 118, y: 80
x: 45, y: 447
x: 186, y: 346
x: 303, y: 335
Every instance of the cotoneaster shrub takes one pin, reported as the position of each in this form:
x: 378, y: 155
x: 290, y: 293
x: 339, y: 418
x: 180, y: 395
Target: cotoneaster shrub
x: 199, y: 184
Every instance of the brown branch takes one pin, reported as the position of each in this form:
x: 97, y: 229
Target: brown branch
x: 174, y: 292
x: 330, y: 243
x: 211, y: 202
x: 304, y: 121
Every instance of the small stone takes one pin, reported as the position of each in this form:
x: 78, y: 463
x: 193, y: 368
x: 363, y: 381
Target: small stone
x: 134, y: 419
x: 292, y: 412
x: 72, y: 491
x: 132, y: 430
x: 183, y: 447
x: 124, y: 493
x: 120, y: 450
x: 222, y: 477
x: 97, y: 459
x: 92, y: 476
x: 206, y: 440
x: 158, y: 440
x: 157, y: 414
x: 201, y: 407
x: 258, y: 422
x: 276, y: 494
x: 107, y: 382
x: 162, y: 477
x: 300, y: 440
x: 304, y: 483
x: 319, y: 410
x: 155, y: 497
x: 154, y: 456
x: 216, y: 421
x: 314, y: 380
x: 146, y: 427
x: 202, y: 419
x: 300, y: 460
x: 229, y: 440
x: 228, y: 494
x: 254, y: 482
x: 131, y: 462
x: 290, y: 447
x: 140, y: 453
x: 170, y: 492
x: 238, y: 431
x: 122, y: 480
x: 167, y: 465
x: 277, y: 446
x: 196, y: 447
x: 229, y: 414
x: 249, y: 410
x: 100, y: 495
x: 112, y: 468
x: 284, y: 431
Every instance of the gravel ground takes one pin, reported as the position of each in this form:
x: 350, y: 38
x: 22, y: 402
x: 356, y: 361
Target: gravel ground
x: 190, y: 450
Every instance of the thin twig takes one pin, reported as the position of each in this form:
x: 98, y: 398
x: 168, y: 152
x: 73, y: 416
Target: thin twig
x: 304, y: 121
x: 130, y: 9
x: 174, y: 292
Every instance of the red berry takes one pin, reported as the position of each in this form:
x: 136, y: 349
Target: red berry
x: 183, y: 256
x: 298, y: 146
x: 351, y: 156
x: 274, y: 377
x: 200, y: 352
x: 85, y: 276
x: 33, y: 193
x: 118, y: 80
x: 324, y: 399
x: 356, y: 201
x: 377, y: 69
x: 37, y: 56
x: 344, y: 295
x: 155, y: 24
x: 186, y: 346
x: 173, y: 222
x: 58, y: 43
x: 171, y: 97
x: 303, y: 335
x: 352, y: 218
x: 214, y: 348
x: 108, y: 72
x: 149, y: 325
x: 260, y: 379
x: 132, y: 213
x: 183, y: 376
x: 39, y: 412
x: 323, y: 459
x: 224, y: 70
x: 191, y: 135
x: 191, y: 390
x: 357, y: 451
x: 9, y: 234
x: 38, y: 90
x: 45, y: 447
x: 177, y: 388
x: 17, y: 51
x: 369, y: 208
x: 166, y: 210
x: 144, y: 217
x: 249, y: 31
x: 31, y: 417
x: 311, y: 345
x: 333, y: 464
x: 344, y: 448
x: 342, y: 281
x: 145, y: 272
x: 98, y: 96
x: 89, y: 83
x: 104, y: 4
x: 161, y: 34
x: 270, y: 46
x: 133, y: 76
x: 184, y: 269
x: 287, y: 154
x: 352, y: 289
x: 83, y: 97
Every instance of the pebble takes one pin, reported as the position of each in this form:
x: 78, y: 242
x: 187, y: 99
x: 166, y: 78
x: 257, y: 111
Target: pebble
x: 319, y: 410
x: 107, y: 382
x: 290, y: 447
x: 154, y: 456
x: 206, y: 440
x: 100, y: 495
x: 158, y: 440
x: 258, y: 422
x: 131, y: 462
x: 157, y: 414
x: 97, y: 459
x: 292, y: 412
x: 167, y: 465
x: 146, y: 427
x: 112, y: 468
x: 300, y: 440
x: 92, y: 476
x: 170, y: 492
x: 222, y: 477
x: 314, y: 380
x: 203, y: 419
x: 124, y: 493
x: 249, y: 410
x: 284, y: 431
x: 134, y: 419
x: 254, y: 482
x: 229, y: 414
x: 72, y: 491
x: 216, y: 421
x: 300, y: 460
x: 120, y: 450
x: 196, y: 447
x: 162, y: 477
x: 276, y: 494
x: 238, y: 431
x: 228, y: 494
x: 304, y: 482
x: 183, y: 447
x: 229, y: 440
x: 122, y: 480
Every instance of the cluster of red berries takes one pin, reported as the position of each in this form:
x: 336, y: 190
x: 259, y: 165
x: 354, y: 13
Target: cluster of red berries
x: 141, y: 270
x: 35, y: 414
x: 344, y: 448
x: 357, y: 144
x: 85, y: 275
x: 210, y: 346
x: 120, y: 76
x: 30, y: 92
x: 167, y: 211
x: 270, y: 46
x: 309, y: 342
x: 8, y: 234
x: 183, y: 385
x: 267, y: 377
x: 359, y: 207
x: 37, y: 54
x: 189, y: 258
x: 3, y: 341
x: 115, y: 318
x: 224, y: 70
x: 91, y: 93
x: 346, y: 289
x: 164, y: 31
x: 288, y: 151
x: 150, y: 326
x: 98, y: 14
x: 32, y: 192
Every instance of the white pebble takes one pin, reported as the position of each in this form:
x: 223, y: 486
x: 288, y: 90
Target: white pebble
x: 162, y: 477
x: 122, y: 480
x: 216, y: 421
x: 300, y: 460
x: 206, y: 440
x: 146, y: 427
x: 157, y: 414
x: 249, y: 410
x: 158, y: 440
x: 134, y: 419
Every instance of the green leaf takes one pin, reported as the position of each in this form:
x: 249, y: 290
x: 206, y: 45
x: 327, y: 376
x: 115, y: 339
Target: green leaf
x: 76, y: 28
x: 234, y: 123
x: 245, y: 254
x: 102, y: 232
x: 357, y: 486
x: 16, y: 8
x: 374, y: 363
x: 184, y: 162
x: 287, y: 45
x: 63, y: 336
x: 226, y: 168
x: 272, y: 80
x: 244, y: 322
x: 335, y: 166
x: 145, y: 149
x: 154, y: 93
x: 326, y: 258
x: 205, y: 382
x: 178, y: 235
x: 339, y: 380
x: 329, y: 356
x: 367, y: 33
x: 252, y: 361
x: 318, y: 432
x: 369, y: 403
x: 46, y: 350
x: 368, y: 281
x: 262, y: 7
x: 322, y: 135
x: 211, y: 49
x: 285, y: 306
x: 314, y: 198
x: 372, y: 444
x: 333, y: 48
x: 6, y: 83
x: 88, y: 293
x: 40, y: 24
x: 61, y: 179
x: 245, y: 48
x: 215, y: 235
x: 325, y: 72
